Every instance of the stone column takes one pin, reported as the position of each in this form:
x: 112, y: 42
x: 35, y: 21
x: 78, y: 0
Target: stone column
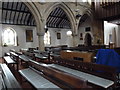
x: 41, y: 41
x: 75, y: 33
x: 40, y: 33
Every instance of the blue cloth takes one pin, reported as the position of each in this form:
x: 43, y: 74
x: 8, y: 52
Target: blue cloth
x: 108, y: 57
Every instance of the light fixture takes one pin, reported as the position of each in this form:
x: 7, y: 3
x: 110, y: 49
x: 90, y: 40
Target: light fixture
x: 69, y: 33
x: 77, y: 16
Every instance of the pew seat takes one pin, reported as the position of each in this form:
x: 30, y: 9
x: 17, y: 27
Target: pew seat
x: 24, y: 58
x: 8, y: 79
x: 34, y: 77
x: 105, y: 83
x: 7, y: 54
x: 60, y: 78
x: 9, y: 61
x: 40, y: 56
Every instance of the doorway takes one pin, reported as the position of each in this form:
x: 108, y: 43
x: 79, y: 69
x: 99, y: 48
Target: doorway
x: 88, y: 40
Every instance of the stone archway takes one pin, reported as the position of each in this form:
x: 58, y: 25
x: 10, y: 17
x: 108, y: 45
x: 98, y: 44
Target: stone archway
x: 68, y: 12
x: 88, y: 16
x: 37, y: 15
x: 96, y: 26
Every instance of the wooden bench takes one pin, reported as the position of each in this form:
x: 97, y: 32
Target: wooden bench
x: 41, y: 58
x: 29, y: 54
x: 10, y: 62
x: 59, y: 77
x: 7, y: 54
x: 34, y: 78
x: 77, y: 55
x: 106, y: 72
x: 9, y: 81
x: 23, y: 58
x: 105, y: 83
x: 15, y: 57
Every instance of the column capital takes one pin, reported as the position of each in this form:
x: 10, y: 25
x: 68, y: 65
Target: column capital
x: 40, y: 34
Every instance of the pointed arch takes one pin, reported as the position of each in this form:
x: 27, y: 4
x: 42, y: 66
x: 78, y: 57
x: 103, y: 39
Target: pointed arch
x: 36, y: 13
x: 87, y: 13
x: 66, y: 9
x: 9, y: 37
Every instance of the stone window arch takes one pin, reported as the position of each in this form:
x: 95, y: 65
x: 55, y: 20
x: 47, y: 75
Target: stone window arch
x: 9, y: 37
x: 47, y: 38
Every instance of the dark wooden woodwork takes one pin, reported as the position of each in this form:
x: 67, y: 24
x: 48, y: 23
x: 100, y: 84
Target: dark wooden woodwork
x: 58, y: 19
x: 16, y: 24
x: 107, y: 11
x: 29, y: 19
x: 15, y: 10
x: 15, y: 14
x: 103, y: 71
x: 19, y: 13
x: 29, y: 54
x: 60, y: 76
x: 11, y: 12
x: 6, y: 13
x: 9, y: 79
x: 22, y: 14
x: 10, y: 62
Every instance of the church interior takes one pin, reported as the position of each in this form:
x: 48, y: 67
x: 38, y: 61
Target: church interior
x: 60, y: 44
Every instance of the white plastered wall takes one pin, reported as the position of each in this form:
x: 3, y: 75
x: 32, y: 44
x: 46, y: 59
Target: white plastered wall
x: 21, y: 34
x: 114, y: 31
x: 65, y: 40
x: 82, y: 27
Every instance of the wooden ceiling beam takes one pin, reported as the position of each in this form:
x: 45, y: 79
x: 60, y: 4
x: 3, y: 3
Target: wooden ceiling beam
x: 15, y: 14
x: 11, y: 12
x: 7, y: 9
x: 19, y: 14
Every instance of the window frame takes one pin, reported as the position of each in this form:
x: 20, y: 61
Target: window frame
x: 48, y: 32
x: 14, y: 37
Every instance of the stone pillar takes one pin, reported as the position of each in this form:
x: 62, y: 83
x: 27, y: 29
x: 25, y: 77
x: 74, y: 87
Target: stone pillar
x: 75, y: 41
x: 75, y: 33
x: 40, y: 33
x: 41, y: 41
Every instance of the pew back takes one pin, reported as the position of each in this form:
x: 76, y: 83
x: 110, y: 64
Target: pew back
x: 8, y: 78
x: 69, y: 79
x: 103, y: 71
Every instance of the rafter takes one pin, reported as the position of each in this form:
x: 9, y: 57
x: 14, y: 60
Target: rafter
x: 16, y: 13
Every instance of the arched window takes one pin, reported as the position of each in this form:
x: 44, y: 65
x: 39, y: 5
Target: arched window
x: 47, y: 38
x: 9, y: 37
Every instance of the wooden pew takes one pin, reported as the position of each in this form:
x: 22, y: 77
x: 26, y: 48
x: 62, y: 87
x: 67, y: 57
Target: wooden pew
x: 10, y: 62
x: 9, y: 80
x: 77, y: 55
x: 102, y: 71
x: 29, y: 54
x: 14, y: 56
x: 59, y: 76
x: 35, y: 79
x: 23, y: 58
x: 41, y: 58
